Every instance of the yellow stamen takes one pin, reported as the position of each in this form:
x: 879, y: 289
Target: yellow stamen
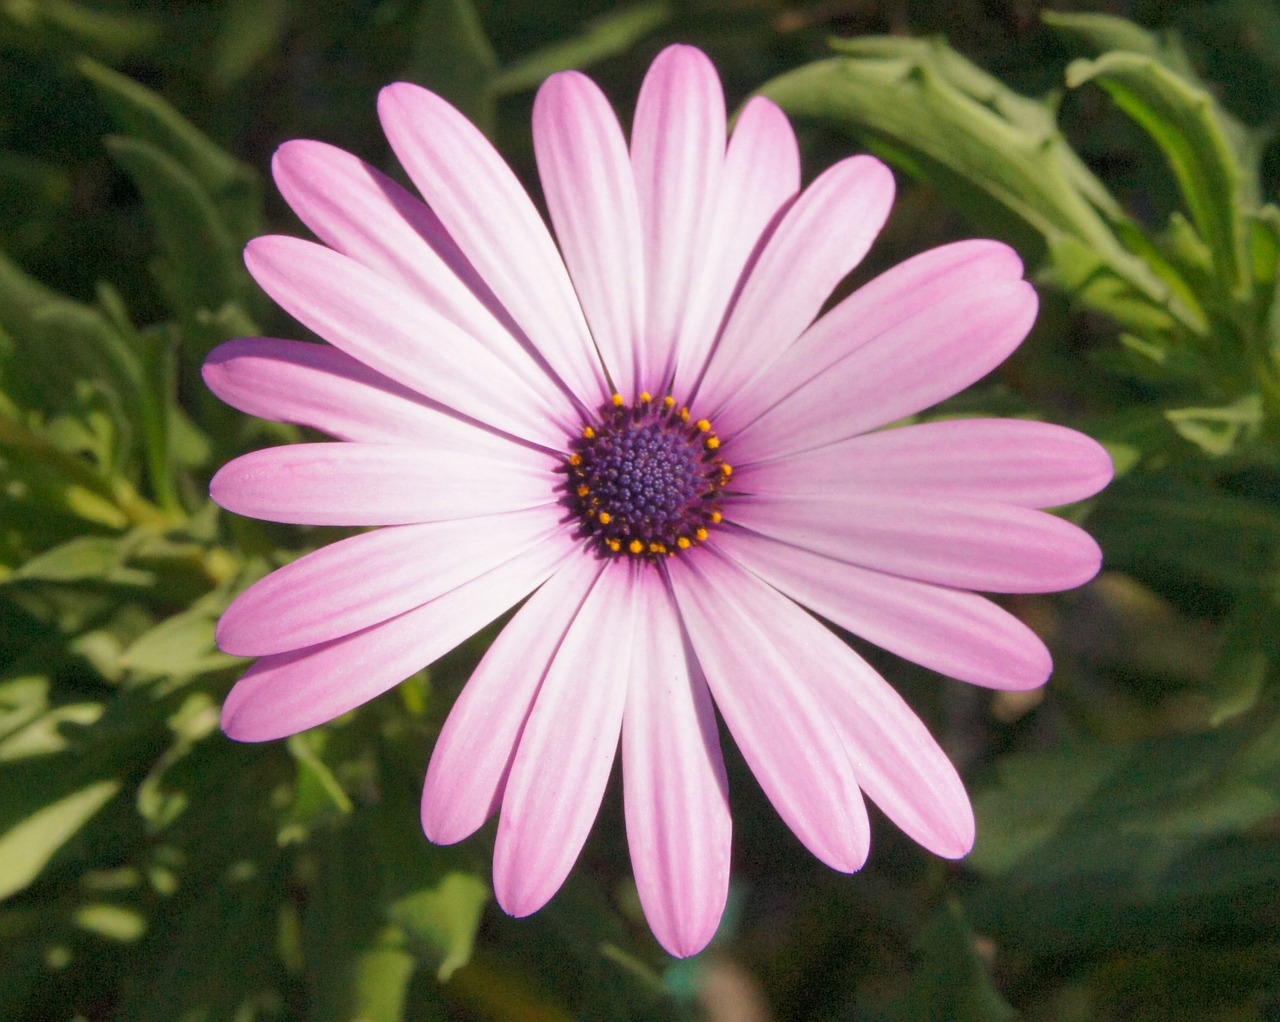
x: 605, y: 518
x: 684, y: 414
x: 645, y: 397
x: 727, y: 470
x: 657, y: 548
x: 617, y: 400
x: 575, y: 460
x: 588, y: 433
x: 713, y: 442
x: 583, y: 490
x: 636, y: 547
x: 717, y: 517
x: 704, y: 425
x: 668, y: 402
x: 615, y: 545
x: 684, y: 542
x: 702, y: 534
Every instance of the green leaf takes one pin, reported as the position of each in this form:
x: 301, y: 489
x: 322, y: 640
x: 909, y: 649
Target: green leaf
x: 233, y: 187
x: 249, y: 31
x: 85, y: 559
x: 1101, y: 33
x: 27, y: 847
x: 452, y: 56
x: 1250, y: 652
x: 992, y: 152
x: 1186, y: 124
x: 114, y: 34
x: 602, y: 37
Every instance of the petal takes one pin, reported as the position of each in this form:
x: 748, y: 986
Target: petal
x: 381, y: 484
x: 290, y: 692
x: 880, y: 315
x: 319, y: 386
x: 675, y: 790
x: 966, y: 544
x: 761, y: 175
x: 392, y: 331
x: 359, y: 211
x: 495, y: 224
x: 566, y: 750
x: 895, y: 759
x: 473, y: 754
x: 591, y: 195
x: 357, y: 582
x: 957, y: 633
x: 677, y: 152
x: 823, y: 236
x: 759, y: 679
x: 1013, y: 461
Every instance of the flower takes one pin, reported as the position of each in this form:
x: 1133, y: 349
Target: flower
x: 651, y: 437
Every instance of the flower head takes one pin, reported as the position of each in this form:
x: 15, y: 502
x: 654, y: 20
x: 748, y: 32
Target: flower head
x: 651, y: 437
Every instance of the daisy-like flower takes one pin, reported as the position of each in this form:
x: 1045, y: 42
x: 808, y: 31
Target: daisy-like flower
x: 650, y: 437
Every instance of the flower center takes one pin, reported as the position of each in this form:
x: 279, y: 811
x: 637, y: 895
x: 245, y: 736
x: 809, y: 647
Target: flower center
x: 645, y: 480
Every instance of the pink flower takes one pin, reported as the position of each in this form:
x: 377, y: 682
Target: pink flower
x: 647, y: 435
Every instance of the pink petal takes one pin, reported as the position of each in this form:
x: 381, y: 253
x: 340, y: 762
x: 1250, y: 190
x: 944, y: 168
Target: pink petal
x: 966, y: 544
x: 362, y: 213
x: 591, y: 195
x: 381, y: 484
x: 675, y: 790
x: 473, y: 754
x: 319, y: 386
x: 392, y: 331
x: 957, y: 633
x: 1031, y: 464
x: 781, y: 723
x: 566, y: 750
x: 761, y: 175
x: 357, y: 582
x: 819, y: 240
x: 895, y: 759
x: 936, y: 353
x: 677, y: 153
x: 493, y: 221
x: 896, y: 295
x: 290, y: 692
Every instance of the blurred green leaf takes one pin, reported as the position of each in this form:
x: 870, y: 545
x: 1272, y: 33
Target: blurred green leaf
x: 27, y: 846
x: 1151, y: 523
x: 444, y: 918
x: 951, y: 983
x: 602, y: 37
x: 1095, y: 844
x: 1102, y: 33
x: 110, y: 33
x: 249, y: 30
x: 1186, y: 124
x: 1250, y: 652
x: 85, y: 559
x: 451, y: 55
x: 1218, y: 431
x: 143, y: 115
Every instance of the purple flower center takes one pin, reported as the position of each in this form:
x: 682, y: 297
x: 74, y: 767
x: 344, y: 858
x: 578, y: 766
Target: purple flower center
x: 645, y: 480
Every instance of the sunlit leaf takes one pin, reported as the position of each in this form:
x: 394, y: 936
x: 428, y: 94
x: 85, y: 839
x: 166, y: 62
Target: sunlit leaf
x: 27, y: 847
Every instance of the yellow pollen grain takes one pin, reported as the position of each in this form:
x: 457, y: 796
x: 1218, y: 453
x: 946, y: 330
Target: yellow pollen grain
x: 713, y: 442
x: 588, y: 433
x: 645, y: 397
x: 702, y: 534
x: 615, y: 545
x: 605, y: 518
x: 636, y: 547
x: 668, y: 402
x: 704, y: 425
x: 617, y: 400
x: 583, y: 490
x: 657, y: 548
x: 684, y: 414
x: 684, y: 542
x: 726, y: 470
x: 575, y: 460
x: 717, y: 517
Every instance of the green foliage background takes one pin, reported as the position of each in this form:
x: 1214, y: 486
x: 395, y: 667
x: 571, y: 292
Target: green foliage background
x: 1128, y: 860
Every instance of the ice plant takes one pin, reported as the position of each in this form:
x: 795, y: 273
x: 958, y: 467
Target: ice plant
x: 650, y: 434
